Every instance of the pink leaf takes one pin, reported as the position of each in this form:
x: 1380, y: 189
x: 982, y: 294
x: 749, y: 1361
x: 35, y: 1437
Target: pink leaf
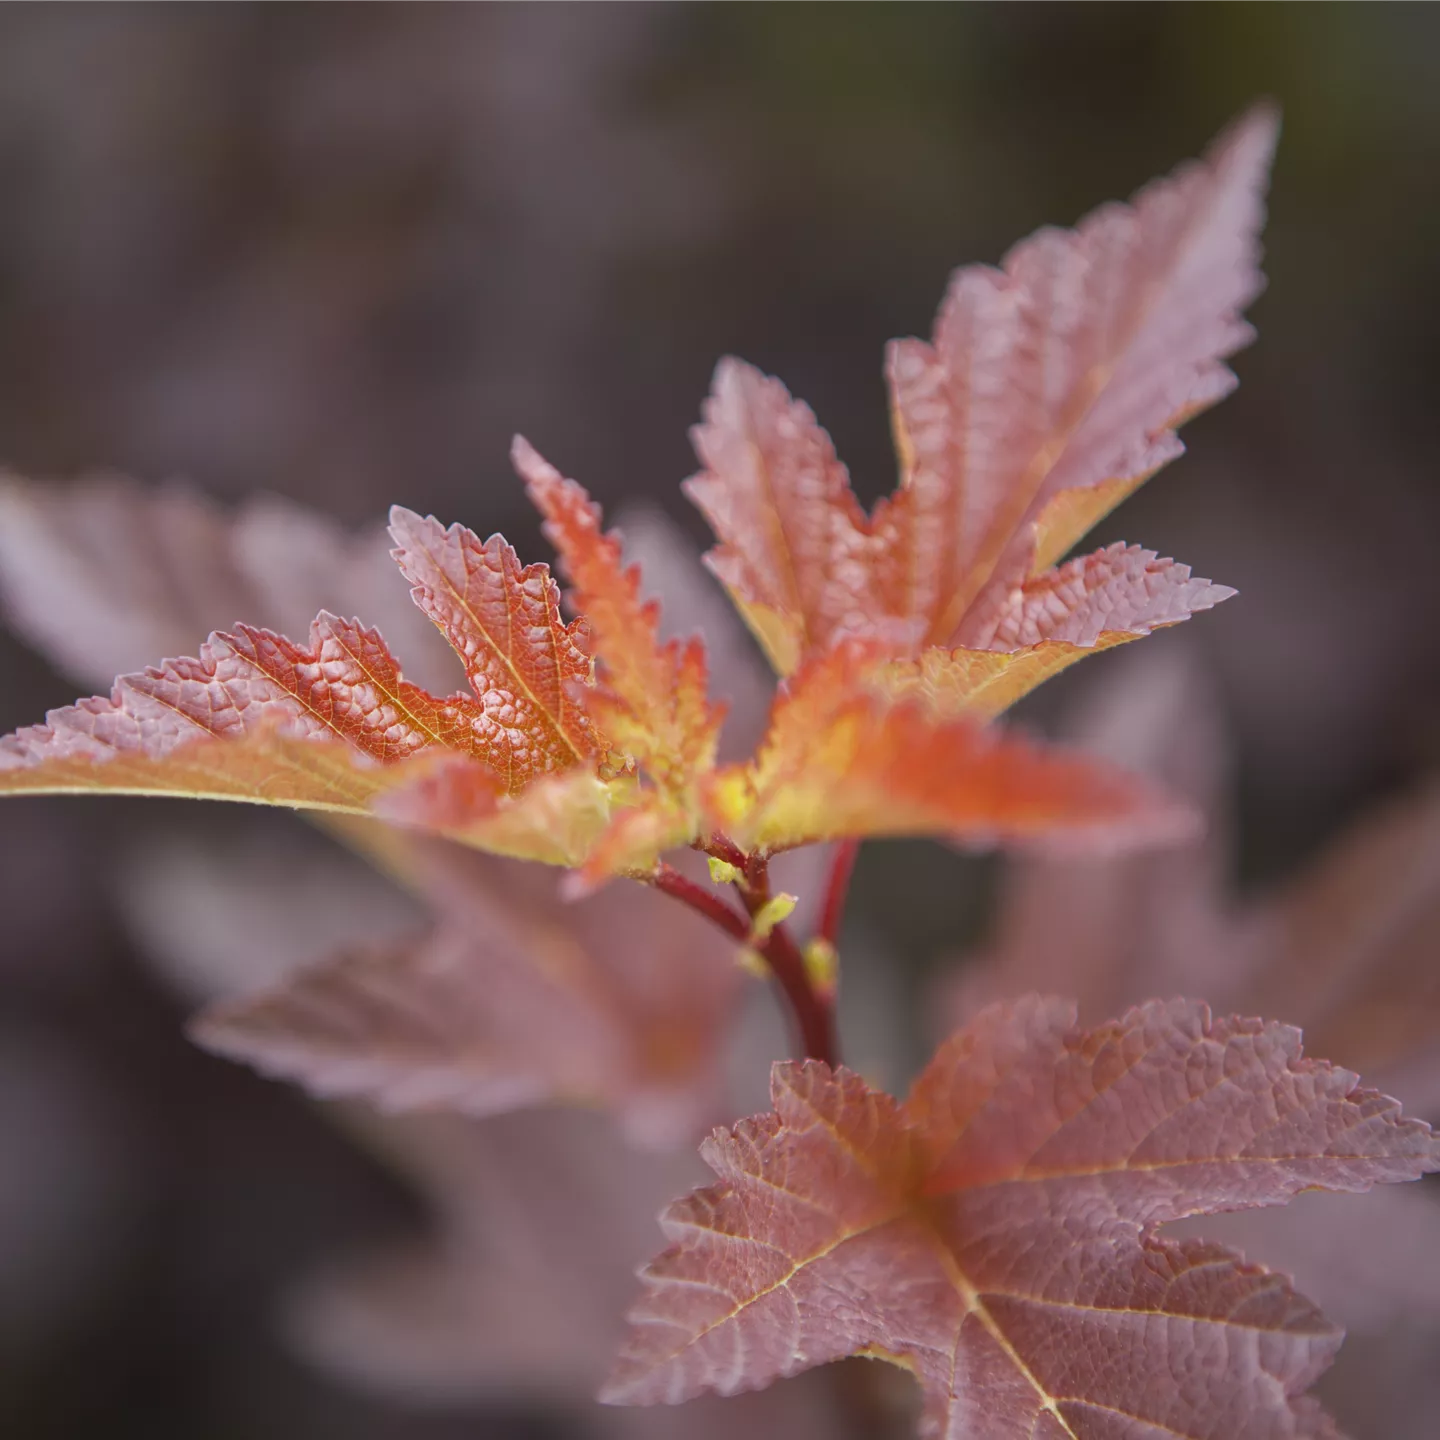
x: 622, y: 1000
x: 994, y: 1234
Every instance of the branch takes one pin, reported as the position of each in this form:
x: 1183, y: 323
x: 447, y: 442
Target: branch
x: 837, y: 890
x: 697, y: 897
x: 814, y: 1016
x: 723, y: 848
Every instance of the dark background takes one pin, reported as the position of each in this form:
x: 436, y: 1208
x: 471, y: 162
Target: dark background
x: 342, y: 253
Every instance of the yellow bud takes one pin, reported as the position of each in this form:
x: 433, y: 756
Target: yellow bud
x: 771, y: 913
x: 822, y: 967
x: 752, y: 962
x: 722, y: 872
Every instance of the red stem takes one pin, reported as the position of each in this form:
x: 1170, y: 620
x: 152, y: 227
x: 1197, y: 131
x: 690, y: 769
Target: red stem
x: 724, y: 849
x: 814, y: 1017
x: 837, y: 890
x: 697, y: 897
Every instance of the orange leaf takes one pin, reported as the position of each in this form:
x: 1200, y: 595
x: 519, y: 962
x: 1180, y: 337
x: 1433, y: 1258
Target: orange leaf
x: 504, y: 623
x: 1070, y: 368
x: 995, y: 1233
x: 175, y: 728
x: 1051, y: 390
x: 265, y: 767
x: 555, y: 821
x: 102, y: 576
x: 651, y: 699
x: 791, y: 530
x: 842, y: 758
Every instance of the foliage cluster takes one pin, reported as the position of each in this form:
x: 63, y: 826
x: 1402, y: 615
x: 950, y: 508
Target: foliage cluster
x: 996, y: 1233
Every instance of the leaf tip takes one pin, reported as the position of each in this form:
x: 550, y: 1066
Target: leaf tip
x: 530, y: 465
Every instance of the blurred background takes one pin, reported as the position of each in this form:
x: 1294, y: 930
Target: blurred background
x: 342, y: 253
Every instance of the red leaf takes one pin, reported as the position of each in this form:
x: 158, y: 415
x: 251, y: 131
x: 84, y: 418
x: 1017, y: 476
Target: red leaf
x: 1119, y: 589
x: 994, y: 1233
x: 1051, y: 390
x: 844, y: 758
x: 504, y: 623
x: 102, y: 576
x: 1346, y: 950
x: 1066, y: 371
x: 621, y: 1000
x: 1113, y: 931
x: 261, y: 718
x: 651, y: 701
x: 792, y: 533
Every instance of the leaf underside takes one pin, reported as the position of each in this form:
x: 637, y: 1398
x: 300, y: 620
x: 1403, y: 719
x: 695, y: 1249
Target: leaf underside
x: 995, y: 1234
x: 515, y: 998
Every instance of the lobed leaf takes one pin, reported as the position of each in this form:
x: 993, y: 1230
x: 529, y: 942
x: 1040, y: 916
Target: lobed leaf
x: 1067, y: 370
x: 1051, y: 389
x: 1343, y: 951
x: 103, y: 575
x: 326, y: 725
x: 651, y: 701
x: 504, y: 622
x: 844, y: 758
x: 556, y: 821
x: 620, y: 1001
x: 994, y: 1233
x: 792, y: 533
x: 254, y: 717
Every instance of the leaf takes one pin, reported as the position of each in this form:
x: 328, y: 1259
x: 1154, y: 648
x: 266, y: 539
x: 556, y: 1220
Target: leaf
x: 324, y: 726
x: 995, y: 1234
x: 504, y: 623
x: 1366, y: 1263
x: 1039, y: 628
x: 254, y: 717
x: 102, y: 576
x: 557, y: 821
x: 1067, y: 370
x: 218, y: 915
x: 621, y: 1001
x: 1119, y: 590
x: 651, y: 701
x: 843, y: 759
x: 691, y: 603
x: 1051, y: 390
x: 266, y: 768
x: 1343, y: 950
x: 1094, y: 343
x: 792, y: 533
